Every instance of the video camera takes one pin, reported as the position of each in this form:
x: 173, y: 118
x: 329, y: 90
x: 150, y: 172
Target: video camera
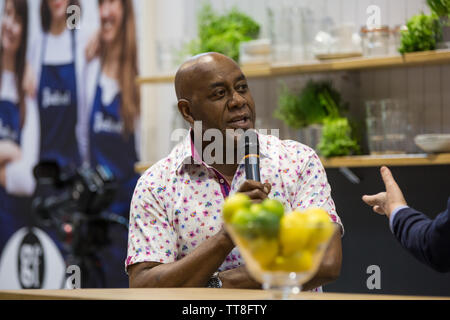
x: 87, y: 191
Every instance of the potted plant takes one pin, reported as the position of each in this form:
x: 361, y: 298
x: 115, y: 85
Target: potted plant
x: 442, y: 9
x: 422, y: 33
x: 313, y: 111
x: 222, y: 33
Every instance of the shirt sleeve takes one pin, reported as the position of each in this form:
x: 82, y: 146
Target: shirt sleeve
x: 19, y: 174
x: 313, y: 188
x: 151, y: 236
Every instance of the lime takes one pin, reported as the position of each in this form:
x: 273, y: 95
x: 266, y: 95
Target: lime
x: 274, y: 206
x: 256, y: 208
x: 233, y: 203
x: 266, y: 224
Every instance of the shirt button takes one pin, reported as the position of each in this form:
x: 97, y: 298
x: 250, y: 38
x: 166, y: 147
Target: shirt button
x: 222, y: 181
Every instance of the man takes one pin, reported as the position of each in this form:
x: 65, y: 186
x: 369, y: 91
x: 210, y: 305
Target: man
x: 176, y: 236
x: 428, y: 240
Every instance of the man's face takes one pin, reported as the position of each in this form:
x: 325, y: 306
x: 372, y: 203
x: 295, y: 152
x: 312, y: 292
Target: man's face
x: 221, y: 98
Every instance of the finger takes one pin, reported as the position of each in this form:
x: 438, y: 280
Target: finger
x: 256, y: 194
x: 378, y: 210
x: 250, y: 185
x: 267, y: 188
x: 375, y: 199
x: 389, y: 181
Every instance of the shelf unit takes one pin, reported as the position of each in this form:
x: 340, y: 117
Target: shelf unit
x: 401, y: 160
x: 284, y: 69
x: 437, y: 57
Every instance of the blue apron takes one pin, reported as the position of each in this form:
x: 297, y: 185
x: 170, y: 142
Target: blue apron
x: 14, y: 210
x: 111, y: 148
x: 57, y: 104
x: 57, y: 98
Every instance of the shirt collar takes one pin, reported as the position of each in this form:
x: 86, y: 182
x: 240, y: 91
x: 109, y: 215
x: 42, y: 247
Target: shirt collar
x: 189, y: 155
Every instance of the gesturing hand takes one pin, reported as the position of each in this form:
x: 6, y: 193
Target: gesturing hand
x: 386, y: 202
x: 255, y: 190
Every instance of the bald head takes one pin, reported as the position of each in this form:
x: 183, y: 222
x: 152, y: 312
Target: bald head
x: 194, y: 69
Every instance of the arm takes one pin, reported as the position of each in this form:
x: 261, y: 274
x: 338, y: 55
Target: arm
x: 427, y: 240
x: 330, y: 268
x: 19, y: 177
x: 194, y: 270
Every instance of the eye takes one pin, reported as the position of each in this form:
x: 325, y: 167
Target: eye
x: 242, y: 88
x: 219, y: 93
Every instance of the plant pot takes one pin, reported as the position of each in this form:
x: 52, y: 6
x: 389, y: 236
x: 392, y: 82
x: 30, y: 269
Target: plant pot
x: 311, y: 135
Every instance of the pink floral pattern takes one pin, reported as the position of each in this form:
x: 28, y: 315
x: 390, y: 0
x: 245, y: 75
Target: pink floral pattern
x: 177, y: 205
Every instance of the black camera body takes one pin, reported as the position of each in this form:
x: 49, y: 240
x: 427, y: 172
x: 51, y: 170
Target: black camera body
x: 86, y: 191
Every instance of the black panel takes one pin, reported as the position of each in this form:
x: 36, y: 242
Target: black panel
x: 369, y: 241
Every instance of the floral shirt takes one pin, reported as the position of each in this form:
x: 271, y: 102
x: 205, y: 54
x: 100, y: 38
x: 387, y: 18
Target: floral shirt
x: 177, y: 204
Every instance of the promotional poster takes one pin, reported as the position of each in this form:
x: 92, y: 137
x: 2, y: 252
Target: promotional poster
x: 69, y: 140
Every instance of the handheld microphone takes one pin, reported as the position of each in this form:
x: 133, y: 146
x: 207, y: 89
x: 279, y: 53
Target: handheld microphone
x: 251, y: 158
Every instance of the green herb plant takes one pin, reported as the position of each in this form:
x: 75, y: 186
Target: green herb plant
x: 422, y: 34
x: 317, y: 101
x: 440, y: 7
x: 223, y: 33
x: 337, y: 138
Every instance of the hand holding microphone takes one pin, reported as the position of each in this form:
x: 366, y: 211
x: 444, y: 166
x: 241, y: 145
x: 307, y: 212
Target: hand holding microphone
x: 253, y: 187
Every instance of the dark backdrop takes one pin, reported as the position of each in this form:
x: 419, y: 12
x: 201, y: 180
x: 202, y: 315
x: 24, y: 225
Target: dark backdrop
x: 369, y: 241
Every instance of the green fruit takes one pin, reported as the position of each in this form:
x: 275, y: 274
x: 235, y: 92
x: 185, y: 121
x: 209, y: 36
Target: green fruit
x: 274, y: 206
x: 266, y: 224
x: 233, y: 203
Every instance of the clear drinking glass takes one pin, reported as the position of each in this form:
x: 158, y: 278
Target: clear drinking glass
x: 395, y: 126
x: 375, y: 129
x: 280, y: 28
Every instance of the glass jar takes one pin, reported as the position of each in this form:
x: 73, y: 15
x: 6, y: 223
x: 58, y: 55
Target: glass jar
x: 375, y: 41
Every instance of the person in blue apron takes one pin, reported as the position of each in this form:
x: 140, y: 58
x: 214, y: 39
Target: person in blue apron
x: 57, y: 92
x: 14, y: 200
x: 113, y: 126
x: 57, y: 72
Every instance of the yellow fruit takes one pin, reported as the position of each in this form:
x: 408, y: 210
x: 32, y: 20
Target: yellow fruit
x: 263, y: 250
x: 294, y: 233
x: 320, y: 221
x: 233, y: 204
x: 298, y: 262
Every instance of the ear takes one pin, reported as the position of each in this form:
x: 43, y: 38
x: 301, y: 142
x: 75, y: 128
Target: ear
x: 184, y: 106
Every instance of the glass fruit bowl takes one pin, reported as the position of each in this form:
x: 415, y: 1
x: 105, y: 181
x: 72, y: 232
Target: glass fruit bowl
x: 281, y: 250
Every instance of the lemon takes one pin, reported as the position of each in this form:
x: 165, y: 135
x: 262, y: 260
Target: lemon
x: 274, y: 206
x: 263, y: 250
x: 323, y: 227
x: 233, y: 203
x: 294, y: 233
x: 298, y: 262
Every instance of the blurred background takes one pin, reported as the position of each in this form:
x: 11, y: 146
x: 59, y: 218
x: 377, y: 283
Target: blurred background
x: 363, y: 82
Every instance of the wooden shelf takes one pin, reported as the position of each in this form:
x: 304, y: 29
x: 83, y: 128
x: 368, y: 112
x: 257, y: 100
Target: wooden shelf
x: 402, y: 160
x: 274, y: 70
x: 398, y: 160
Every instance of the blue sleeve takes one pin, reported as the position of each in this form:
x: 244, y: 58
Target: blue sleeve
x: 428, y: 240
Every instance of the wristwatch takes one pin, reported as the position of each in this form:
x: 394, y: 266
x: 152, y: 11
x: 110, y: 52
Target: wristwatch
x: 214, y: 282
